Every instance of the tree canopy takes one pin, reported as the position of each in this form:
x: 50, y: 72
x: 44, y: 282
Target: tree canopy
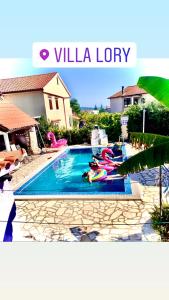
x: 157, y: 154
x: 101, y: 109
x: 75, y: 106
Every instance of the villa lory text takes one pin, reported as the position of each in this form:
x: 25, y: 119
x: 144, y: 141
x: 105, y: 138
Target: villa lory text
x: 84, y: 54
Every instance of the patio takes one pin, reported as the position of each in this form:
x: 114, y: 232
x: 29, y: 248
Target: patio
x: 57, y: 220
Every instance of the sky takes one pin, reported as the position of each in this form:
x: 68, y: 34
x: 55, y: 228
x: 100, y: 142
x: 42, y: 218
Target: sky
x: 145, y: 23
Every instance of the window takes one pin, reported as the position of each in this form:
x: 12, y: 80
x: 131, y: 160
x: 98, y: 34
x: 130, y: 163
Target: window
x: 50, y: 102
x: 142, y: 100
x: 136, y: 100
x: 127, y: 102
x: 57, y: 79
x: 57, y: 103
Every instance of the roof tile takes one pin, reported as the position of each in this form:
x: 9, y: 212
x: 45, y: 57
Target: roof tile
x: 25, y: 83
x: 11, y: 117
x: 129, y: 91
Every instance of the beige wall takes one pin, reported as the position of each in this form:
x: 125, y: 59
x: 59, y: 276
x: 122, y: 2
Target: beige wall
x: 33, y: 141
x: 56, y: 87
x: 58, y: 114
x: 31, y: 103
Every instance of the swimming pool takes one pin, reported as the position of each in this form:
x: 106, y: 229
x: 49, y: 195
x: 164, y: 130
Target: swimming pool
x: 63, y: 176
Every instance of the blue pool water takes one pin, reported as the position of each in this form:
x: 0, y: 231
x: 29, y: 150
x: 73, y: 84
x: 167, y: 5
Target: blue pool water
x: 64, y: 176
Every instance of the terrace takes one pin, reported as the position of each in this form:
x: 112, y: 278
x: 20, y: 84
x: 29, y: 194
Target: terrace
x: 85, y: 220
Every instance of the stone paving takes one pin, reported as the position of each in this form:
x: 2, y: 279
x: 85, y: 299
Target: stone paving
x: 20, y: 175
x: 113, y: 220
x: 83, y: 220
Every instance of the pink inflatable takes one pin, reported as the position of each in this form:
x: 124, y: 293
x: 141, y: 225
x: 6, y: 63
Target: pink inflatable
x: 107, y: 150
x: 54, y: 143
x: 107, y: 167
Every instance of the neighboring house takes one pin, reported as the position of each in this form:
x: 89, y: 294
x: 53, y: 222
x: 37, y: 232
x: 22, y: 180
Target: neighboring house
x: 131, y: 95
x: 14, y: 122
x: 37, y: 95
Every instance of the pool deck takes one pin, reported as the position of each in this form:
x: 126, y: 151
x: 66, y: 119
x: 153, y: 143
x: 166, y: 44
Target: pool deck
x: 98, y: 219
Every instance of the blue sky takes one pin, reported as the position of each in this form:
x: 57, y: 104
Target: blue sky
x: 145, y: 23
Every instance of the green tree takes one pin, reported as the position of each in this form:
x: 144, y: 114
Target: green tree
x: 109, y: 122
x: 156, y: 118
x: 75, y: 106
x: 95, y: 107
x: 157, y: 153
x: 101, y: 109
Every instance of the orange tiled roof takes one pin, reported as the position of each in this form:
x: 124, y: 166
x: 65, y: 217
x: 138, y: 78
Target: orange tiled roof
x: 129, y: 91
x: 25, y: 83
x: 11, y: 117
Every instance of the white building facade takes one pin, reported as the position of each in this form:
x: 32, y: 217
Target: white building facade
x: 131, y: 95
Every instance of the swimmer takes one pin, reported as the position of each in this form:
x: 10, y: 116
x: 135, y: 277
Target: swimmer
x: 89, y: 175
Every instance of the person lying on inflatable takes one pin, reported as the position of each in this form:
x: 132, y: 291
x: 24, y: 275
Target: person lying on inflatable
x: 112, y: 157
x: 96, y: 165
x: 107, y: 155
x: 100, y: 175
x: 117, y: 149
x: 94, y: 175
x: 112, y: 163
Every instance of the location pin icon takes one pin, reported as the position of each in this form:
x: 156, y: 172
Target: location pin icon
x: 44, y: 54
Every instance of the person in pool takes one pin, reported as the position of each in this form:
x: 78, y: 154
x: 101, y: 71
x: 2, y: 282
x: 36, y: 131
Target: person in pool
x: 110, y: 156
x: 113, y: 163
x: 94, y: 167
x: 89, y: 175
x: 93, y: 172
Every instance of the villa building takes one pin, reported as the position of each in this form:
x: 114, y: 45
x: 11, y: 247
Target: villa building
x: 131, y: 95
x: 37, y: 95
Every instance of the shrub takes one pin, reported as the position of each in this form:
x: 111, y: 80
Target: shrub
x: 108, y: 121
x: 156, y: 119
x: 74, y: 136
x: 44, y: 126
x: 135, y: 118
x: 158, y: 222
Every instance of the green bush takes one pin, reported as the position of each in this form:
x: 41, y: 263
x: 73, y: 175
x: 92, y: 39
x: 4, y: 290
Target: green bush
x: 74, y: 136
x: 43, y: 128
x: 156, y: 119
x: 158, y: 222
x: 135, y: 122
x: 108, y: 121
